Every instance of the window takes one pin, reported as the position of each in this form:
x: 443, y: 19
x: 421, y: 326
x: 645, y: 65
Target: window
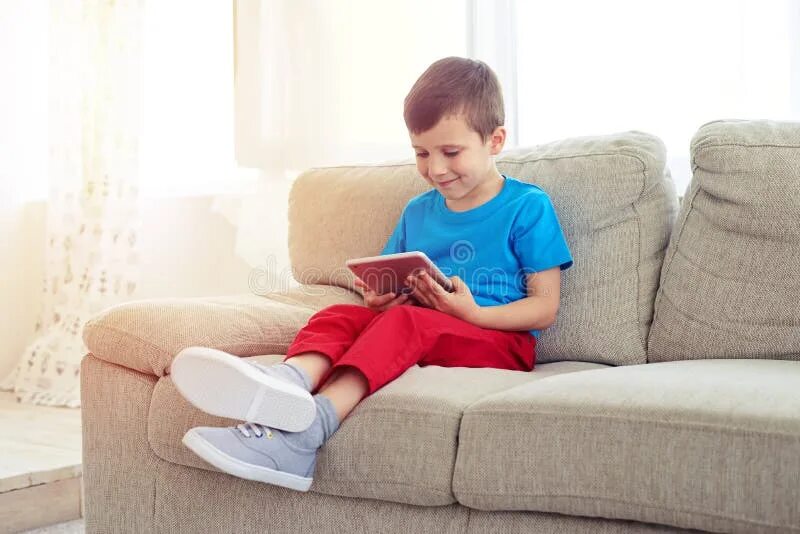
x: 186, y: 142
x: 666, y: 68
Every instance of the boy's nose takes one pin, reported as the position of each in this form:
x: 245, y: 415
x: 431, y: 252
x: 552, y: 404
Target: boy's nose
x: 437, y: 168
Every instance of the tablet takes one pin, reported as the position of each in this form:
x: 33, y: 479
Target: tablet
x: 387, y: 273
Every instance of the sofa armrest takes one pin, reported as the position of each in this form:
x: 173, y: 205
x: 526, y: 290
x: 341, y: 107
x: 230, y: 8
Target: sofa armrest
x: 146, y: 335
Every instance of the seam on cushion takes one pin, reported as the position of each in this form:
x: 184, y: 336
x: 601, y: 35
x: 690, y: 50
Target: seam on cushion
x: 155, y: 499
x: 575, y: 156
x: 742, y: 333
x: 627, y: 502
x: 742, y: 145
x: 137, y: 338
x: 362, y: 482
x: 410, y: 412
x: 469, y: 517
x: 150, y: 345
x: 138, y: 375
x: 643, y: 339
x: 706, y: 427
x: 707, y: 221
x: 703, y: 268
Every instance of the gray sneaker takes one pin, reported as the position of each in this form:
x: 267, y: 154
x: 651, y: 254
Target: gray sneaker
x: 254, y: 452
x: 225, y: 385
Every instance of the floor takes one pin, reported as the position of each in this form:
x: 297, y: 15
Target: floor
x: 70, y: 527
x: 41, y: 462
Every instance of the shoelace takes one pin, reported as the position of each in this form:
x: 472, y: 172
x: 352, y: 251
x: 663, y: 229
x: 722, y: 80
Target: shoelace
x: 258, y: 430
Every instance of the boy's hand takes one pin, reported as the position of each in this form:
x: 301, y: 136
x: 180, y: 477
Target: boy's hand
x: 379, y: 302
x: 460, y: 303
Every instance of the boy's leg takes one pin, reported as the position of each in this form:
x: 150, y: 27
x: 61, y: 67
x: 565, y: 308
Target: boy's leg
x: 324, y: 340
x: 390, y: 343
x: 257, y: 452
x: 275, y: 395
x: 345, y: 388
x: 406, y: 335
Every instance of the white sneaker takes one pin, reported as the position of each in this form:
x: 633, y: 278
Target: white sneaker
x: 225, y: 385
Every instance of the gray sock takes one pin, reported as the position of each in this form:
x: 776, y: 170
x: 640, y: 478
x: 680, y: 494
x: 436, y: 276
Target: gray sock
x: 323, y: 427
x: 287, y: 371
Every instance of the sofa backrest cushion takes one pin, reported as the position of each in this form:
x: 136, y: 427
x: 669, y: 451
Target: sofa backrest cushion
x: 730, y: 286
x: 614, y: 198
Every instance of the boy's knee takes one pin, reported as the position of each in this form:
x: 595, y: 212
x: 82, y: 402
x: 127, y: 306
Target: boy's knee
x: 342, y: 307
x: 403, y: 311
x: 348, y: 310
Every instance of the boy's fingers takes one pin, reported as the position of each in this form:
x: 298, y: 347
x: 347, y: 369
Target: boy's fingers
x: 360, y: 283
x: 386, y: 297
x: 399, y: 299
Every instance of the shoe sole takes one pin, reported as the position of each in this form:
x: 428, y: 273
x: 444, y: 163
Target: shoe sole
x: 222, y: 384
x: 224, y: 462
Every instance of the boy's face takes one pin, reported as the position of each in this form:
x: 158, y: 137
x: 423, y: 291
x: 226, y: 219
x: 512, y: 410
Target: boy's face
x: 457, y: 162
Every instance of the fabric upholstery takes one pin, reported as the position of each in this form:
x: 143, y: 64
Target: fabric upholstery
x: 398, y: 445
x: 730, y: 286
x: 614, y: 198
x: 118, y: 466
x: 707, y: 444
x: 248, y: 507
x: 129, y: 489
x: 146, y: 335
x: 542, y: 523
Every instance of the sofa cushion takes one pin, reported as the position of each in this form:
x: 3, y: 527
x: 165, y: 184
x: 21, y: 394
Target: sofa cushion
x: 146, y: 335
x: 615, y: 201
x: 398, y: 445
x: 730, y: 286
x: 706, y: 444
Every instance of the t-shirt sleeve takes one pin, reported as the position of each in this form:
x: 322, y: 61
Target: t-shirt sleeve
x: 538, y: 240
x: 397, y: 241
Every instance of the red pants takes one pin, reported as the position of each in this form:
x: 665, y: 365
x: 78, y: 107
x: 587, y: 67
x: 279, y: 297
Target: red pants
x: 382, y: 345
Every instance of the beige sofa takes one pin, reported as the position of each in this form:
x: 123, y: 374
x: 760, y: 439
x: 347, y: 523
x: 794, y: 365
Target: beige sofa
x: 666, y: 397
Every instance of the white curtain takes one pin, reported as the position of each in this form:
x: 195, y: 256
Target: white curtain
x: 91, y: 236
x: 586, y: 67
x: 323, y: 83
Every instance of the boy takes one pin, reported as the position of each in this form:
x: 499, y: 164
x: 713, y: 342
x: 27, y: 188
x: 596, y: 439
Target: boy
x: 500, y: 240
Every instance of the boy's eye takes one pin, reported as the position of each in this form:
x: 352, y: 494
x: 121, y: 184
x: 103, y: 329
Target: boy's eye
x: 449, y: 154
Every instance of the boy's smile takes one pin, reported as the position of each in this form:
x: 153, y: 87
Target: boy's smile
x: 453, y: 158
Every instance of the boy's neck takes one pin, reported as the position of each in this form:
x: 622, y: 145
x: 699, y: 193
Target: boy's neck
x: 482, y: 194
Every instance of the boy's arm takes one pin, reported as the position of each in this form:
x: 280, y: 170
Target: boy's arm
x: 537, y: 311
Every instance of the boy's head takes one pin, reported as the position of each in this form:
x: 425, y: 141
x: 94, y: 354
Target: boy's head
x: 454, y: 114
x: 456, y: 86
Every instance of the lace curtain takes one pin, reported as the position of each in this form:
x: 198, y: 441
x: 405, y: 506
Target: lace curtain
x: 91, y: 234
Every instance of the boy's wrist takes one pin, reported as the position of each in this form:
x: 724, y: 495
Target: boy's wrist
x: 476, y: 316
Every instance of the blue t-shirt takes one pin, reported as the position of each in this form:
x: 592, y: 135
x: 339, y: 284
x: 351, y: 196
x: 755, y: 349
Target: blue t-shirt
x: 492, y: 247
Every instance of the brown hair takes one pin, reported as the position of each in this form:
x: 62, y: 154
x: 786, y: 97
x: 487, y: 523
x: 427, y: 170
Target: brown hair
x: 451, y: 86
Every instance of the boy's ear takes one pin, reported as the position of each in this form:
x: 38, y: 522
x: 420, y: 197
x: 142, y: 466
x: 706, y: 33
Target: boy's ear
x: 496, y: 140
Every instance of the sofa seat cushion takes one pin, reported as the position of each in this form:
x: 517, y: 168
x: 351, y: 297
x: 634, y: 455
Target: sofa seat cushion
x: 706, y: 444
x: 398, y: 445
x: 145, y: 335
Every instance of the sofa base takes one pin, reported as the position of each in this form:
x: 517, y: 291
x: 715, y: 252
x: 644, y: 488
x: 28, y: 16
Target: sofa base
x: 129, y: 489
